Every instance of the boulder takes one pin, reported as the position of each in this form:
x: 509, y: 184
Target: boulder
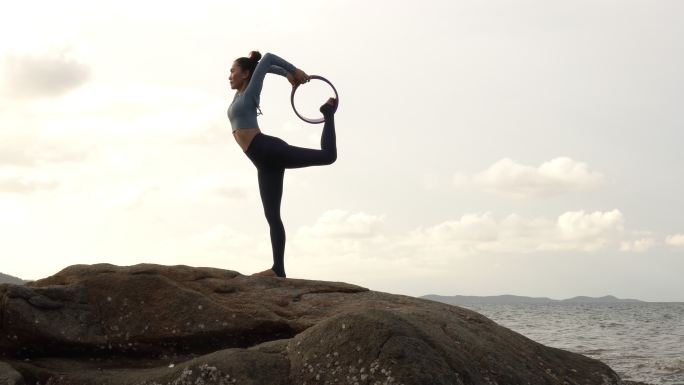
x: 152, y: 324
x: 9, y: 376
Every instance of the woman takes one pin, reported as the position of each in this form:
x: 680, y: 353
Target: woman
x: 271, y: 155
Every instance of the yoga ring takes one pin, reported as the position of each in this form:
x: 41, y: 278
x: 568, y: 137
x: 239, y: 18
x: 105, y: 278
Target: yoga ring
x: 310, y: 120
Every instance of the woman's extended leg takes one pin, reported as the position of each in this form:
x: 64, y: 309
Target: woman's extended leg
x: 288, y: 156
x: 271, y: 191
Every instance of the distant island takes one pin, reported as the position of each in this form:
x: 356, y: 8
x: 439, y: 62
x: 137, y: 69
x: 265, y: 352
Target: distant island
x: 510, y: 299
x: 4, y: 278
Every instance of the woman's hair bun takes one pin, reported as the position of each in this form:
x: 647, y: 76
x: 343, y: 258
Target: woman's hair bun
x: 255, y: 55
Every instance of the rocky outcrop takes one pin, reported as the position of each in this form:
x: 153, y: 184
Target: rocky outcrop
x: 151, y: 324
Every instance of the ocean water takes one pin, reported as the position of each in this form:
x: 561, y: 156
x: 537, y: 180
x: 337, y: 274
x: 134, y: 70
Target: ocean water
x: 640, y: 341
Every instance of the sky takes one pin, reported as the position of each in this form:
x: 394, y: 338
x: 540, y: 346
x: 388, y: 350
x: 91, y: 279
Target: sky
x: 526, y: 147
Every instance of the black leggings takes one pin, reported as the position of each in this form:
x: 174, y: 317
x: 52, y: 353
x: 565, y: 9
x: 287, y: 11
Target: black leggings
x: 272, y: 156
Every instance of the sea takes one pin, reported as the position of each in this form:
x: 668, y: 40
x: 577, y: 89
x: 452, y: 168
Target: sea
x: 641, y: 341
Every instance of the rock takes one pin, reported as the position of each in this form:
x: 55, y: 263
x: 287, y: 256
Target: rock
x: 9, y: 376
x: 150, y: 324
x: 229, y: 366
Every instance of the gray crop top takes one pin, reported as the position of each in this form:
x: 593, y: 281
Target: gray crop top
x: 242, y: 112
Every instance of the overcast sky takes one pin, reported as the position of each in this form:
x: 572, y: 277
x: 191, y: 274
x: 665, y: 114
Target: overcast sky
x: 484, y: 147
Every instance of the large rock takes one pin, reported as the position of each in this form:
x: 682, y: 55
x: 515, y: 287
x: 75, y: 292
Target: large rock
x: 151, y: 324
x: 9, y: 376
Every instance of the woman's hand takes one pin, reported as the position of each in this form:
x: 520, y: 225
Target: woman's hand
x: 298, y: 77
x: 291, y: 79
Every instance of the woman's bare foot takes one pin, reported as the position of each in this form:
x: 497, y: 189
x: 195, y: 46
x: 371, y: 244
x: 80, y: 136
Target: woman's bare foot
x: 329, y: 107
x: 266, y: 273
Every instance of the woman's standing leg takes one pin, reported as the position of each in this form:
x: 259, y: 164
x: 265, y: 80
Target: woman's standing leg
x: 278, y: 155
x: 271, y: 191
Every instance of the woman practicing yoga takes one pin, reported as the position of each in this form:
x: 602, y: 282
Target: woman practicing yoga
x: 272, y: 155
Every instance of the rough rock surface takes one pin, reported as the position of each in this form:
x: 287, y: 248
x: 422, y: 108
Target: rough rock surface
x: 151, y: 324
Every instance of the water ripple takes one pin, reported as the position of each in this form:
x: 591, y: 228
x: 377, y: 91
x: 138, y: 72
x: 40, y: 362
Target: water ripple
x: 640, y: 341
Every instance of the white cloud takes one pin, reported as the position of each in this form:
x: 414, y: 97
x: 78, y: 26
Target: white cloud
x: 209, y: 132
x: 236, y: 193
x: 24, y: 185
x: 27, y: 151
x: 482, y: 233
x: 676, y: 240
x: 222, y: 184
x: 341, y: 233
x: 137, y: 112
x: 338, y: 233
x: 342, y: 224
x: 557, y: 176
x: 580, y: 225
x: 42, y: 75
x: 637, y: 246
x: 223, y: 238
x: 128, y: 197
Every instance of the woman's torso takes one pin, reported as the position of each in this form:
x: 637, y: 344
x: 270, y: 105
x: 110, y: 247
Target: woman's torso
x: 244, y: 137
x: 242, y: 112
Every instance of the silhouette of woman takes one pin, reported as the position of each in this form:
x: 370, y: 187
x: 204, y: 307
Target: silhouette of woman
x: 272, y: 155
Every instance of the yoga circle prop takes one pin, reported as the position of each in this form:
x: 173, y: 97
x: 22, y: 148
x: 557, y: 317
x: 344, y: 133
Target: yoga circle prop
x: 307, y: 119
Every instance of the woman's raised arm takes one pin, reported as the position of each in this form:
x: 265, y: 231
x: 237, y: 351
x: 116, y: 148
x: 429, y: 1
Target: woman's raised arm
x: 265, y: 65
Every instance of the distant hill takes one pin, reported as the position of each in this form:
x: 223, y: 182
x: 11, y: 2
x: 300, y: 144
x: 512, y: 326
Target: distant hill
x: 604, y: 299
x: 505, y: 299
x: 4, y: 278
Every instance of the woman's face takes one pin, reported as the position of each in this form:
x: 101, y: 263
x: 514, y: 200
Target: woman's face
x: 237, y: 76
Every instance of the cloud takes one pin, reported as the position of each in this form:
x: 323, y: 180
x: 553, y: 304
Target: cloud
x: 221, y: 184
x: 637, y: 246
x: 580, y: 225
x: 342, y: 224
x: 340, y: 233
x: 24, y: 186
x: 676, y: 240
x: 483, y: 233
x: 29, y: 152
x: 209, y: 133
x: 557, y: 176
x: 235, y: 193
x: 223, y: 238
x: 45, y: 75
x: 133, y: 196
